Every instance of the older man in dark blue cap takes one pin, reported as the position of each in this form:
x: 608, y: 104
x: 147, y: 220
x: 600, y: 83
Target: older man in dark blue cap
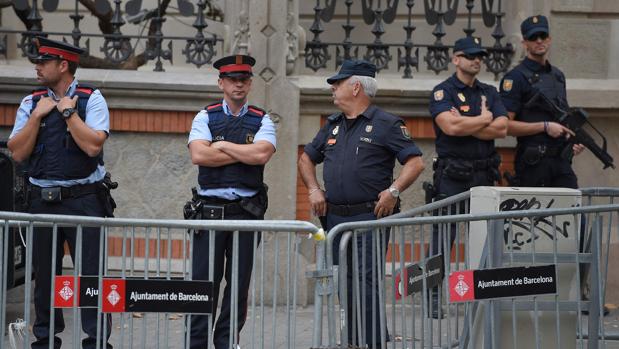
x: 230, y: 141
x: 359, y: 145
x: 468, y: 116
x: 60, y: 129
x: 541, y: 140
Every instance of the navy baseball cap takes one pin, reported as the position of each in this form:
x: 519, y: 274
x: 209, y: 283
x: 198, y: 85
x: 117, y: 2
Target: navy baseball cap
x: 352, y: 67
x: 534, y: 25
x: 235, y: 66
x: 470, y: 45
x: 52, y: 49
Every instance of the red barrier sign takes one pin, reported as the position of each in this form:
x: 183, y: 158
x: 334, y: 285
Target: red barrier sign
x: 65, y: 292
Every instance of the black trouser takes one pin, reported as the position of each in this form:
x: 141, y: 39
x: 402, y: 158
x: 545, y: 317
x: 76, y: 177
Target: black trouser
x: 549, y: 171
x: 367, y: 279
x: 86, y: 205
x: 222, y: 267
x: 446, y: 186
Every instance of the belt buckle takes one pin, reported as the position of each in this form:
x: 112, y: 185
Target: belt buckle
x: 542, y: 149
x: 212, y: 212
x: 52, y: 194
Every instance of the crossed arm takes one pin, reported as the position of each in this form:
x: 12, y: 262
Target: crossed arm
x: 481, y: 126
x: 208, y: 154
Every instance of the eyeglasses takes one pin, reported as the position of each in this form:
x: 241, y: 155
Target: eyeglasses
x: 536, y: 36
x: 471, y: 57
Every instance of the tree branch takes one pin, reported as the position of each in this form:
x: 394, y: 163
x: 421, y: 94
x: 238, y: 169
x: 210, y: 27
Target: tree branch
x: 104, y: 20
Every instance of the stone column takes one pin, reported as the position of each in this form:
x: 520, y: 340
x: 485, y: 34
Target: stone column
x: 269, y: 44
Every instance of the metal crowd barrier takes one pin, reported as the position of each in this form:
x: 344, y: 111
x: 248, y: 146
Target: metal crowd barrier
x: 409, y: 319
x: 141, y: 249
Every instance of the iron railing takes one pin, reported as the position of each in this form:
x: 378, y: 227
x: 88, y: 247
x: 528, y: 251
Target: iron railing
x: 438, y: 13
x: 117, y: 47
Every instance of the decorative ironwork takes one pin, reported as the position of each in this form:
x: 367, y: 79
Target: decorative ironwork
x: 117, y: 47
x: 157, y: 52
x: 26, y: 44
x: 438, y: 13
x: 317, y: 52
x: 200, y: 50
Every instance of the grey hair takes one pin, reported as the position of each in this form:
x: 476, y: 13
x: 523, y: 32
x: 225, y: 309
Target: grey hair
x: 369, y: 84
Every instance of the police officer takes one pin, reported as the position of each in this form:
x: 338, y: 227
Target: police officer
x: 540, y: 160
x: 468, y: 115
x: 359, y: 145
x: 230, y: 141
x: 60, y: 129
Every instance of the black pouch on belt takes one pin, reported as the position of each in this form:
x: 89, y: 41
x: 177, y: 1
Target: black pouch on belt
x: 531, y: 155
x: 459, y: 171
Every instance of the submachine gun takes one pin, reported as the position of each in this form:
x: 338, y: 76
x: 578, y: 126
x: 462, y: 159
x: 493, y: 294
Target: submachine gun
x: 574, y: 119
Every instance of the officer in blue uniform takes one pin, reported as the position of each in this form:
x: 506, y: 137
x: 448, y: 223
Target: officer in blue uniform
x: 230, y: 141
x: 540, y: 160
x: 358, y: 146
x: 468, y: 116
x: 60, y: 129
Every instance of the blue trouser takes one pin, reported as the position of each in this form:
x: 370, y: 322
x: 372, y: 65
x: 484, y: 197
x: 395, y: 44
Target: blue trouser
x: 86, y: 205
x: 223, y: 265
x: 367, y: 278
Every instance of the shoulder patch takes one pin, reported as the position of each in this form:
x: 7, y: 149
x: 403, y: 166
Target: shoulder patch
x: 507, y: 84
x: 405, y: 133
x: 438, y: 95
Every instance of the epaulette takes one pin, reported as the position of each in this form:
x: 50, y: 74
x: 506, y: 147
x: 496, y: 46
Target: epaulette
x: 39, y: 92
x: 217, y: 106
x: 85, y: 88
x: 334, y: 117
x: 258, y: 111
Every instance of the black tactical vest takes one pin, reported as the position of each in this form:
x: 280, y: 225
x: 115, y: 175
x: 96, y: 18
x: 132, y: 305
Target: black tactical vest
x: 239, y: 130
x: 56, y: 156
x: 552, y: 85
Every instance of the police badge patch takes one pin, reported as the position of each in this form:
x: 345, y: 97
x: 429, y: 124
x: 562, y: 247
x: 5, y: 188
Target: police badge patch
x: 368, y: 128
x: 461, y: 97
x: 405, y: 132
x: 438, y: 95
x: 249, y: 138
x: 336, y: 130
x: 507, y: 85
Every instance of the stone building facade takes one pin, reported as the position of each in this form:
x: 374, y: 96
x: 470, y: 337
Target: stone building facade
x: 151, y: 112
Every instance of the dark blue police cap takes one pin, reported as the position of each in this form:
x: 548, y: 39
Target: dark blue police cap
x: 235, y: 66
x: 534, y: 25
x: 52, y: 49
x: 352, y: 67
x: 470, y: 45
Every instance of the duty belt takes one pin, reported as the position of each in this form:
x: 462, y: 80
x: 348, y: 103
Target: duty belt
x: 37, y: 192
x: 350, y: 210
x: 481, y: 164
x: 545, y: 150
x: 230, y: 207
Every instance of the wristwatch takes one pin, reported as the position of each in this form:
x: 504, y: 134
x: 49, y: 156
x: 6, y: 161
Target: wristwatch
x: 394, y: 191
x: 68, y: 112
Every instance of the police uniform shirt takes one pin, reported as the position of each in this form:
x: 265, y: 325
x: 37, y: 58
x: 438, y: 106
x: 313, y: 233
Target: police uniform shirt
x: 467, y: 100
x: 359, y: 160
x: 97, y: 118
x: 201, y: 131
x: 516, y: 90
